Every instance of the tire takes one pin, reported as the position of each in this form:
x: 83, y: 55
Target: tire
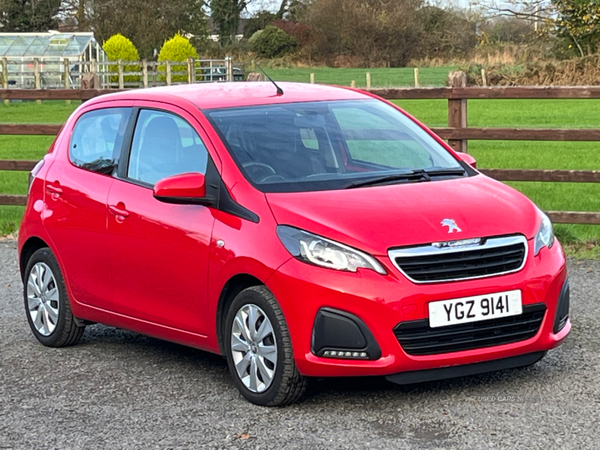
x: 267, y: 353
x: 47, y: 302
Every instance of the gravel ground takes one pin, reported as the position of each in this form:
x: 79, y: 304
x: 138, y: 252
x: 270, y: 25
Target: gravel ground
x: 118, y: 389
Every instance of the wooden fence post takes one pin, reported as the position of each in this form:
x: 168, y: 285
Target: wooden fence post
x: 168, y: 72
x: 94, y: 72
x: 121, y: 78
x: 191, y: 65
x: 36, y: 76
x: 457, y: 110
x: 66, y: 77
x: 5, y: 78
x: 416, y: 76
x: 229, y: 65
x: 144, y: 73
x: 368, y: 80
x: 483, y: 78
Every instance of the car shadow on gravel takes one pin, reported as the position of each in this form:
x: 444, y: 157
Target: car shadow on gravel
x: 123, y: 344
x: 370, y: 385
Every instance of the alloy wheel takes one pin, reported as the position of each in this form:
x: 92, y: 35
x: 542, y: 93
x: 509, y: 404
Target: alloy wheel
x: 254, y: 348
x: 43, y: 298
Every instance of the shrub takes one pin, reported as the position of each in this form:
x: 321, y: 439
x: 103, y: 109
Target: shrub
x: 118, y: 47
x: 254, y: 37
x: 299, y: 30
x: 273, y: 42
x: 177, y: 48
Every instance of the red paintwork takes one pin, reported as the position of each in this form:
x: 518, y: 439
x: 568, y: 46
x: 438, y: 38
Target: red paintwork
x: 132, y: 261
x: 469, y: 159
x: 186, y: 185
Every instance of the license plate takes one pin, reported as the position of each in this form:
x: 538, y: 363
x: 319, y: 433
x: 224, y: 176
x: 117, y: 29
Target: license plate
x: 475, y: 309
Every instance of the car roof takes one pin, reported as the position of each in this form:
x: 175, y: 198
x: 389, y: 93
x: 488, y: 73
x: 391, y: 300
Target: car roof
x: 224, y: 95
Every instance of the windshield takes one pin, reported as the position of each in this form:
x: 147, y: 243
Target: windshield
x: 330, y: 145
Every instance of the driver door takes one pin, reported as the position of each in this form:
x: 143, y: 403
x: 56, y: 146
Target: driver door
x: 159, y: 251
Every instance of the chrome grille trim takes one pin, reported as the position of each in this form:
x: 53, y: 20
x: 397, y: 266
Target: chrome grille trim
x: 432, y: 250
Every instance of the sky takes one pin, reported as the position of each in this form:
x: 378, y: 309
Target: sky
x: 273, y: 5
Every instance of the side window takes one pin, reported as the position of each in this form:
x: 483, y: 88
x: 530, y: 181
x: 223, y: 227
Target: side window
x: 97, y: 139
x: 164, y: 145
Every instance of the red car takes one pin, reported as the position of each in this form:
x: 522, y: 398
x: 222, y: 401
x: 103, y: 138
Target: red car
x: 311, y: 231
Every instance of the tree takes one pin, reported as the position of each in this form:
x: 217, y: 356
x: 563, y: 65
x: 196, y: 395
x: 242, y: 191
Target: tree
x: 363, y: 32
x: 225, y: 15
x: 148, y: 23
x: 508, y: 30
x: 579, y: 21
x: 75, y: 13
x: 28, y: 15
x: 258, y: 21
x: 445, y: 32
x: 576, y: 20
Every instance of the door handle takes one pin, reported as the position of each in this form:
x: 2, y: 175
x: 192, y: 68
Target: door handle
x: 119, y: 211
x: 54, y: 190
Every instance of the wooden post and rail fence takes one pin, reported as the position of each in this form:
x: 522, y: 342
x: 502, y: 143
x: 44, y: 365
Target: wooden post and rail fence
x: 457, y: 133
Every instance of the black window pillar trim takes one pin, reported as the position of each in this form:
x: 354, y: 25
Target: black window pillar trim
x: 126, y: 145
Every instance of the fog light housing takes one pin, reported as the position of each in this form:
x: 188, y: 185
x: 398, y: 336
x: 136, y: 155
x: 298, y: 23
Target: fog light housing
x: 341, y: 335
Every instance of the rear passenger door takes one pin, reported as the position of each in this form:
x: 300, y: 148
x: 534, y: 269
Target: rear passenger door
x: 77, y: 188
x: 159, y: 251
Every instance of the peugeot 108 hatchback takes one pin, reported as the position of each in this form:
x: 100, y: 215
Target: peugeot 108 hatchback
x: 318, y: 232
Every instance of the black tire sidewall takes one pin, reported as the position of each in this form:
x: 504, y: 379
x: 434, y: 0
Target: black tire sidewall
x: 252, y: 297
x: 46, y: 256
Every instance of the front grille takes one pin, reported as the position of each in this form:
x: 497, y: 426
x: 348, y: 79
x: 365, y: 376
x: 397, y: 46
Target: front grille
x: 417, y: 338
x: 435, y: 263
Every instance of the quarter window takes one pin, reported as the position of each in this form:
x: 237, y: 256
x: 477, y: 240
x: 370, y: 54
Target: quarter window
x: 97, y: 139
x: 164, y: 145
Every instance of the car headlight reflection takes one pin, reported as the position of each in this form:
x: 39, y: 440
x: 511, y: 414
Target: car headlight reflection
x: 323, y: 252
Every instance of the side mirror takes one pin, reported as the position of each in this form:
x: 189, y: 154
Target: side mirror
x: 468, y: 159
x: 186, y: 188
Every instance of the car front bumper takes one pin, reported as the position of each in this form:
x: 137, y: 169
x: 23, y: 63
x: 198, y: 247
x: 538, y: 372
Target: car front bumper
x: 381, y: 303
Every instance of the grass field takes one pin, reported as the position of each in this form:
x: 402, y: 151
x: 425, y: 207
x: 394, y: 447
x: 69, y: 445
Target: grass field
x: 489, y: 154
x: 380, y: 77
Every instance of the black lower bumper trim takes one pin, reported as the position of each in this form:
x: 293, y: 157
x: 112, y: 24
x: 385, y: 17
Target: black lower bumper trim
x: 562, y: 308
x: 421, y: 376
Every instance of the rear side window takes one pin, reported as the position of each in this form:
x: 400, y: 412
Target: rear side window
x: 164, y: 145
x: 97, y: 139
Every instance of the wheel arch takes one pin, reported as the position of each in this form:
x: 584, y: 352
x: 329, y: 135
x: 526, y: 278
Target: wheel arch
x: 30, y: 246
x: 232, y: 288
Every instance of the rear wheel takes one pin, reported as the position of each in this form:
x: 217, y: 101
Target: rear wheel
x: 259, y: 350
x: 47, y: 303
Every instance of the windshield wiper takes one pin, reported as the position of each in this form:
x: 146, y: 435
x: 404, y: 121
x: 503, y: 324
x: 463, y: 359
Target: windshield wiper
x: 413, y: 175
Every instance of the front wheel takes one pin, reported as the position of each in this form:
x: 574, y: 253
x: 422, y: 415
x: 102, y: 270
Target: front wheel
x: 47, y: 303
x: 259, y: 350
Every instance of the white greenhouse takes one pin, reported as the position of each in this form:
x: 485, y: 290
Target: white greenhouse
x: 47, y: 60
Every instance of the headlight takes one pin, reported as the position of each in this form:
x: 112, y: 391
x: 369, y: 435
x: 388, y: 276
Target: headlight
x: 544, y: 236
x: 323, y: 252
